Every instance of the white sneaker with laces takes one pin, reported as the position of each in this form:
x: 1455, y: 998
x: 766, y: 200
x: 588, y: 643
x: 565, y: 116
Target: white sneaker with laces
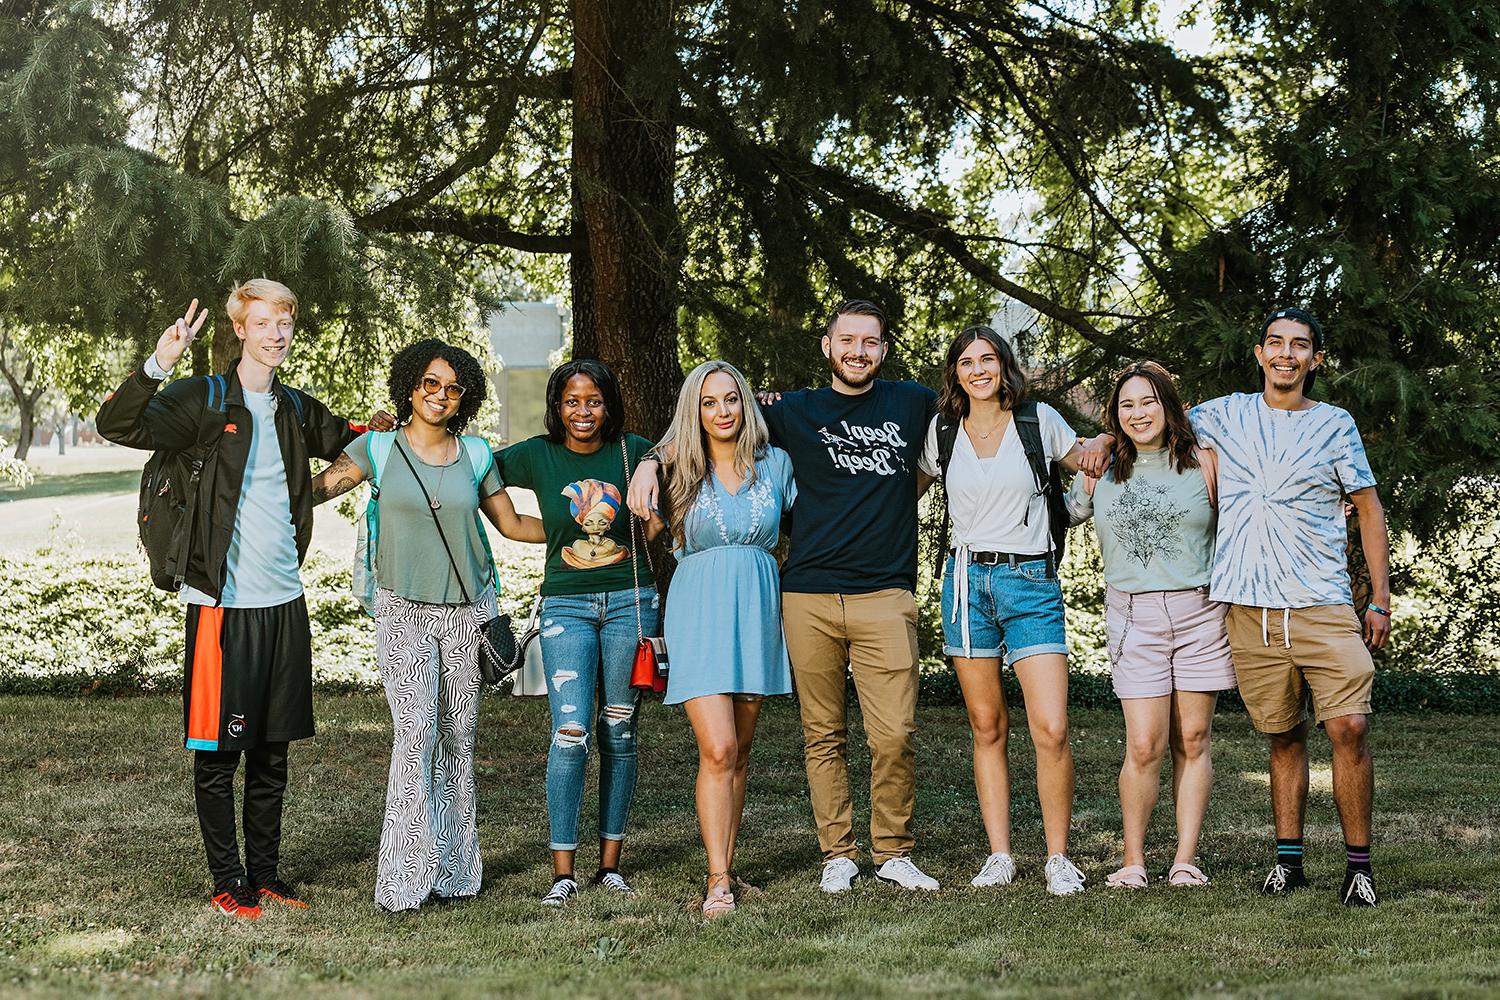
x: 905, y: 873
x: 999, y: 869
x: 615, y: 882
x: 1063, y: 877
x: 838, y: 874
x: 562, y: 890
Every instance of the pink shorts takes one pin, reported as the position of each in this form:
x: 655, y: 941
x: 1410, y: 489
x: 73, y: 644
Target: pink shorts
x: 1167, y: 640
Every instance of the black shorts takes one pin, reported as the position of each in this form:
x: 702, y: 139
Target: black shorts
x: 247, y: 676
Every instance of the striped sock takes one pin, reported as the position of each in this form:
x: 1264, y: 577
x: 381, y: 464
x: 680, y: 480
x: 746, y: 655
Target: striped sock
x: 1359, y: 857
x: 1289, y: 853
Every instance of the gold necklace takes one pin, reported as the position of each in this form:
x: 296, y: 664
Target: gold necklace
x: 435, y: 503
x: 984, y: 435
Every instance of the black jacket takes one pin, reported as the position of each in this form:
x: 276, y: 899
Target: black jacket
x: 137, y: 416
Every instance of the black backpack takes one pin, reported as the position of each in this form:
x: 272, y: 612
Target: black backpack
x: 170, y: 486
x: 1047, y: 475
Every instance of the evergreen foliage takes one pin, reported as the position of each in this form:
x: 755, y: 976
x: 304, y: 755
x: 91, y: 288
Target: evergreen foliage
x: 708, y: 179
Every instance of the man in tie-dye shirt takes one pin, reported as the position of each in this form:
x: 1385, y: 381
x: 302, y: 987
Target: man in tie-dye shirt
x: 1286, y: 464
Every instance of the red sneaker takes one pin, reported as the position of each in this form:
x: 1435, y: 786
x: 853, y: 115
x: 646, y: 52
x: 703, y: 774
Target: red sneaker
x: 276, y: 891
x: 238, y: 899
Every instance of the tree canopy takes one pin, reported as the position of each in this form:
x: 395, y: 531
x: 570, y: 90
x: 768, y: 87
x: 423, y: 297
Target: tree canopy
x: 709, y: 179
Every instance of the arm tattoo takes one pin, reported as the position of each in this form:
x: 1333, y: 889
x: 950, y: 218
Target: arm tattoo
x: 335, y: 480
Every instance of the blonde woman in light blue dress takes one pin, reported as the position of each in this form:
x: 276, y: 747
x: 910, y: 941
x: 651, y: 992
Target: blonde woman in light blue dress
x: 727, y: 490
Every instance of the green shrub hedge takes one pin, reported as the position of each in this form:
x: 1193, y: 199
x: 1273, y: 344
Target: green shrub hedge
x: 76, y: 624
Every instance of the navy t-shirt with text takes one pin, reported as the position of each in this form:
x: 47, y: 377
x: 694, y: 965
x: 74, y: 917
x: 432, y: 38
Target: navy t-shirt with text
x: 854, y: 530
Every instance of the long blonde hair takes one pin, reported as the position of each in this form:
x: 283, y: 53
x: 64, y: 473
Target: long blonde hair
x: 685, y: 450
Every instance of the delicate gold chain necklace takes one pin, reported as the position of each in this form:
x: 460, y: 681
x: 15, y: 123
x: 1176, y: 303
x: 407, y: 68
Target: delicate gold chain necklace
x: 435, y: 503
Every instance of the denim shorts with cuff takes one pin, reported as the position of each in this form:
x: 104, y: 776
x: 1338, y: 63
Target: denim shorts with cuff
x: 1014, y: 611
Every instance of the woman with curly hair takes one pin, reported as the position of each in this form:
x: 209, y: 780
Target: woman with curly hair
x: 436, y: 590
x: 598, y: 597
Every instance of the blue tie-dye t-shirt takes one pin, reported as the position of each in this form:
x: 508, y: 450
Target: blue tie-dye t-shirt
x: 1282, y: 478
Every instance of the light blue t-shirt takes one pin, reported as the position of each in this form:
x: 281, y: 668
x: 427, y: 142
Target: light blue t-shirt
x: 261, y: 566
x: 1282, y: 478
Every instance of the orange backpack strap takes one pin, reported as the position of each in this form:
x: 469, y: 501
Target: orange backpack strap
x: 1208, y: 464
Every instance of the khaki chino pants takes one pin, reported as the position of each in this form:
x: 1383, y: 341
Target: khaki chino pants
x: 875, y: 637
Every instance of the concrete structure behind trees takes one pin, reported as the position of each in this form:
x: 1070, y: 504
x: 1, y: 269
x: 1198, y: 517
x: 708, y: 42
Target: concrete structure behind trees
x: 528, y: 339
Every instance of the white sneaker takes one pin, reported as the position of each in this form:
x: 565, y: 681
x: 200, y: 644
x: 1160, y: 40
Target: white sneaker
x: 562, y: 890
x: 1063, y: 877
x: 837, y: 875
x: 999, y: 869
x: 905, y: 873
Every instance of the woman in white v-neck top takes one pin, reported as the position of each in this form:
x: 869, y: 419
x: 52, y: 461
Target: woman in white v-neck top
x: 1001, y: 596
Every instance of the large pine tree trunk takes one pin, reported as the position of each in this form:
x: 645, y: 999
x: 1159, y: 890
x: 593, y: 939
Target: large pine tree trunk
x: 624, y: 165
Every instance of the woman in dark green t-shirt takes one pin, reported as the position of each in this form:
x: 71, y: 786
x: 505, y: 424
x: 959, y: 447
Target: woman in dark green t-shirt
x: 598, y: 597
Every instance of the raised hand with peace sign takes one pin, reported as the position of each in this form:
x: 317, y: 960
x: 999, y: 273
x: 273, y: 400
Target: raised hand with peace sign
x: 177, y: 338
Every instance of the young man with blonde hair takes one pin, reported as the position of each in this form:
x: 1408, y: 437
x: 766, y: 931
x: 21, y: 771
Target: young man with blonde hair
x: 247, y: 679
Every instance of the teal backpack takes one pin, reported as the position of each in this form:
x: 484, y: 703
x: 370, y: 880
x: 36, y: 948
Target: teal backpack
x: 378, y: 446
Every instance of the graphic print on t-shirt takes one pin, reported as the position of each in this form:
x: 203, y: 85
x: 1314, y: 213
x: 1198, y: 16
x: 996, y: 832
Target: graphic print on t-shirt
x: 1149, y: 522
x: 593, y: 505
x: 857, y: 448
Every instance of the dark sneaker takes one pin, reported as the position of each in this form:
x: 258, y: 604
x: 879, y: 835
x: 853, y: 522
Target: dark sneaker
x: 1359, y: 889
x: 276, y: 891
x: 1284, y: 880
x: 613, y: 881
x: 238, y: 899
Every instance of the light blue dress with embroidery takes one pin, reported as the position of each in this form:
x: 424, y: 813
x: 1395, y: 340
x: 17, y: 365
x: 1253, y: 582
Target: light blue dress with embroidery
x: 723, y: 623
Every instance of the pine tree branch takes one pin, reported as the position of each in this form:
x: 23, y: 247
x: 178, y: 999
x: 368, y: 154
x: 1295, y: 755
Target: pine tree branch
x: 556, y: 85
x: 923, y: 223
x: 497, y: 122
x: 985, y: 45
x: 483, y: 228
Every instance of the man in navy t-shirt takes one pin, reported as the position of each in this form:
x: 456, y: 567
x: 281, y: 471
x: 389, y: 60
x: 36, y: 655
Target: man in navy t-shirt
x: 847, y: 586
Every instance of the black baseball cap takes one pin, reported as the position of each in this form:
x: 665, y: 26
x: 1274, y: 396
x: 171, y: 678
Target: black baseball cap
x: 1302, y: 316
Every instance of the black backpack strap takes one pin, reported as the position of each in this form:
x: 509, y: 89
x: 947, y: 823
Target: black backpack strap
x: 1048, y: 479
x: 297, y: 404
x: 210, y: 430
x: 1029, y: 428
x: 947, y: 437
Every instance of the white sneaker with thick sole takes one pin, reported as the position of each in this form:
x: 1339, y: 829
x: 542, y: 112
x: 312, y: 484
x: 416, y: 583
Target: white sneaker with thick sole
x: 999, y: 869
x: 838, y: 874
x: 1063, y: 877
x: 905, y: 873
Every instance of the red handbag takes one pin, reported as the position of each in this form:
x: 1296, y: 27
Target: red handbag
x: 649, y: 671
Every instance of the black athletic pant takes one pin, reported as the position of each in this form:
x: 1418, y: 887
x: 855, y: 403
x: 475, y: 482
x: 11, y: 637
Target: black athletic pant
x: 265, y: 786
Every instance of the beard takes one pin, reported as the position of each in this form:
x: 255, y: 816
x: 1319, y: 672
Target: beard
x: 854, y: 379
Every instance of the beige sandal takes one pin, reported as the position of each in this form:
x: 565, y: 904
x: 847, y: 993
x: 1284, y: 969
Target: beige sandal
x: 1185, y: 876
x: 718, y: 904
x: 1128, y: 877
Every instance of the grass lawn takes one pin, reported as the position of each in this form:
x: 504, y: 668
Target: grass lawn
x: 103, y: 885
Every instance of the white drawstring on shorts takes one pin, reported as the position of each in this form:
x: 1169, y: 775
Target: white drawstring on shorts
x: 1286, y: 627
x: 960, y: 612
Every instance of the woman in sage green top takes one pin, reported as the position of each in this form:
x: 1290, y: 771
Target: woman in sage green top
x: 1154, y: 513
x: 428, y: 611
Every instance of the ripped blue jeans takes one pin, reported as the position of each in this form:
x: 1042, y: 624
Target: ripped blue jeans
x: 588, y: 648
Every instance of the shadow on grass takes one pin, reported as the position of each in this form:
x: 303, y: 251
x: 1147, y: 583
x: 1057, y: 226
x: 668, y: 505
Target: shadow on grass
x: 74, y: 484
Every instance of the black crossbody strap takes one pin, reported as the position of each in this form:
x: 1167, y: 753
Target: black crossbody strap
x: 435, y: 522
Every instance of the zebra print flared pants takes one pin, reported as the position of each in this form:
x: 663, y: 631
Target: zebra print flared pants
x: 429, y: 663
